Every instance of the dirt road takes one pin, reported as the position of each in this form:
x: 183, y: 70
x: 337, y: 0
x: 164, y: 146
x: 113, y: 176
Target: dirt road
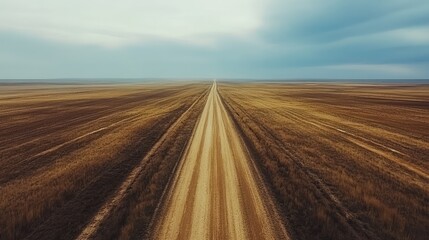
x: 217, y: 192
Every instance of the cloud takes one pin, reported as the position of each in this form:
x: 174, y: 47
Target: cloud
x: 121, y: 23
x: 413, y: 35
x: 304, y: 34
x: 190, y: 38
x: 333, y: 20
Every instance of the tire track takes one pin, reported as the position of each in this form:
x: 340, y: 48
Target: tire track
x: 112, y: 203
x: 355, y: 226
x: 364, y: 143
x: 215, y: 194
x: 67, y: 147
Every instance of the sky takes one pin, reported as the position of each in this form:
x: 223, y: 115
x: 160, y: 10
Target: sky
x: 256, y: 39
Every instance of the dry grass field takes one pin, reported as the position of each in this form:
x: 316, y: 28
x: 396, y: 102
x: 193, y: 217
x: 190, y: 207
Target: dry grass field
x: 65, y: 149
x: 220, y: 161
x: 344, y: 161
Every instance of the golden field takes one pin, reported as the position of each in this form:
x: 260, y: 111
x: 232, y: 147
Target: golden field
x: 221, y: 160
x: 65, y: 149
x: 344, y: 161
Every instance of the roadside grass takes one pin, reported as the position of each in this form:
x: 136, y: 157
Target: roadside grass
x: 303, y: 138
x: 54, y: 195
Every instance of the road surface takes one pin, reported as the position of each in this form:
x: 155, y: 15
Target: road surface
x: 217, y: 192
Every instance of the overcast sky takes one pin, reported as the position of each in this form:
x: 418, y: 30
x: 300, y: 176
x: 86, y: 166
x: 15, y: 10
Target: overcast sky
x: 214, y: 39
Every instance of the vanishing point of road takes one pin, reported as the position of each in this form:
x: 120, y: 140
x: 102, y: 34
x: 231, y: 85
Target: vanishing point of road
x: 217, y: 192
